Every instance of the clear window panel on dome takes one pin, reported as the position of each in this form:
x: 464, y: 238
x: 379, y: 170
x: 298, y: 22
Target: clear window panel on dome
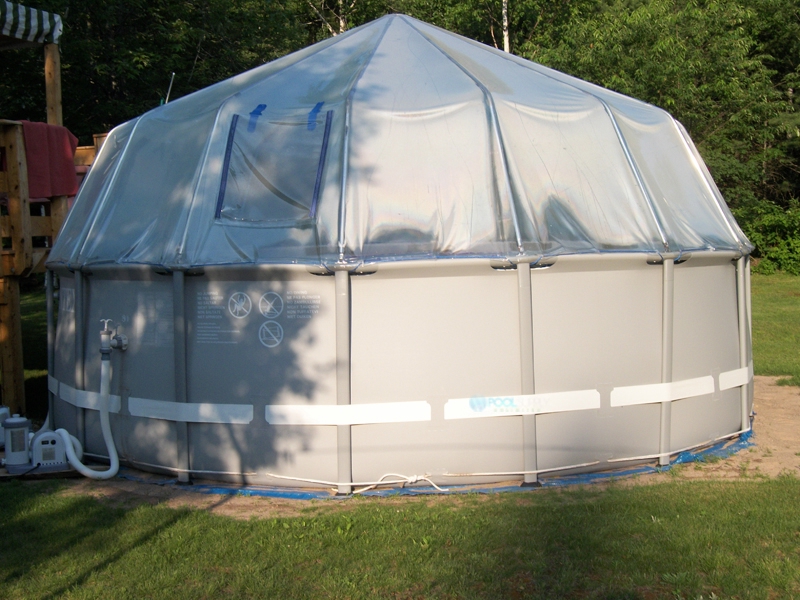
x: 273, y: 167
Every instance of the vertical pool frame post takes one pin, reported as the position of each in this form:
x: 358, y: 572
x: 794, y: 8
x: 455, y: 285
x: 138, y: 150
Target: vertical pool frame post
x: 51, y: 343
x: 667, y: 332
x: 181, y: 394
x: 748, y: 296
x: 525, y: 295
x: 344, y: 443
x: 80, y: 355
x: 743, y: 323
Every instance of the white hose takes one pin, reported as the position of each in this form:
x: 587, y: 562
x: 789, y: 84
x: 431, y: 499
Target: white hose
x: 46, y: 427
x: 105, y: 426
x: 77, y: 446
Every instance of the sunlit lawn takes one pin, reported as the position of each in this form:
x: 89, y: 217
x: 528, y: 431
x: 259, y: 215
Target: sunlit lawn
x: 776, y: 325
x: 671, y: 540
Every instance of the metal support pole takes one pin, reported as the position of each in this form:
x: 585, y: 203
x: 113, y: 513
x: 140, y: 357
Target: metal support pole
x: 51, y: 344
x: 525, y: 297
x: 748, y: 296
x: 181, y: 395
x: 345, y: 449
x: 667, y: 319
x: 80, y: 355
x: 741, y: 300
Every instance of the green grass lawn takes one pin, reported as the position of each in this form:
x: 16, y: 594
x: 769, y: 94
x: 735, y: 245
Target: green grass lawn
x: 33, y: 307
x: 776, y: 325
x: 737, y: 539
x: 673, y: 540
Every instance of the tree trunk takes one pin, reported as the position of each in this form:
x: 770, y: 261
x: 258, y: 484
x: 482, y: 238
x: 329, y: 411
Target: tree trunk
x: 342, y: 19
x: 506, y: 43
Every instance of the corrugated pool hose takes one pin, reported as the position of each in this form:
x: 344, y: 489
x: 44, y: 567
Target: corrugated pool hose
x: 119, y: 342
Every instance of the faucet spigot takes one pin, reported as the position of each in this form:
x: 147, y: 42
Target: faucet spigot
x: 117, y: 341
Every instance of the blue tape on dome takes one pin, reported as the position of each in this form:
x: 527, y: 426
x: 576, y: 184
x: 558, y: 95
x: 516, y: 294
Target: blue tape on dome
x: 312, y: 116
x: 257, y: 112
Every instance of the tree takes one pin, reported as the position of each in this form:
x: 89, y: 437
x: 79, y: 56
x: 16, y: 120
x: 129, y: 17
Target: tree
x: 118, y: 55
x: 506, y: 42
x: 698, y: 61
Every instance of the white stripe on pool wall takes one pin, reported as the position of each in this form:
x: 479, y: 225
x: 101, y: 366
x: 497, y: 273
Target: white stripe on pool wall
x: 735, y: 378
x: 348, y: 414
x: 405, y: 412
x: 662, y: 392
x: 191, y: 412
x: 90, y: 400
x: 479, y: 407
x: 52, y: 384
x: 157, y: 409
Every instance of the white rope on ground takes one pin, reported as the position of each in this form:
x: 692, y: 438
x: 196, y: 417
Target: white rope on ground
x: 400, y: 480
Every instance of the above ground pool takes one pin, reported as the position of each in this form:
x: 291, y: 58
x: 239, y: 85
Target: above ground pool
x: 399, y: 251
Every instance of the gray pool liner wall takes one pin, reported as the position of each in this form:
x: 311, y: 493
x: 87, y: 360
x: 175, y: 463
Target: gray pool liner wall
x: 719, y: 451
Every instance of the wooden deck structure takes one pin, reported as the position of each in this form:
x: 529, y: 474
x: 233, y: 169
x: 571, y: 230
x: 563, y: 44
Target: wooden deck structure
x: 26, y: 239
x: 26, y: 242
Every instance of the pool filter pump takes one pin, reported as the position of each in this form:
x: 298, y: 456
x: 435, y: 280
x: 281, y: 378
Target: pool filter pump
x: 4, y: 414
x: 49, y: 451
x: 16, y: 432
x: 43, y: 452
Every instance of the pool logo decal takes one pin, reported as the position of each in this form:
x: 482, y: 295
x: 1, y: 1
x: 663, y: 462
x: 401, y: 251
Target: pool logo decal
x: 499, y: 404
x: 477, y: 404
x: 525, y: 404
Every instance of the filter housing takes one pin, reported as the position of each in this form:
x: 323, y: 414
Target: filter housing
x: 48, y: 452
x: 17, y: 430
x: 4, y: 414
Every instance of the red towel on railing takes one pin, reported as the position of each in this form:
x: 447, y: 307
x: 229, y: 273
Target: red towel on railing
x: 50, y: 152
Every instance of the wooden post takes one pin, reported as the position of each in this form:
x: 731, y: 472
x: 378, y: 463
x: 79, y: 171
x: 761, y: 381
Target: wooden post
x: 52, y: 78
x: 16, y: 262
x: 59, y: 207
x: 99, y: 140
x: 19, y: 209
x: 11, y: 346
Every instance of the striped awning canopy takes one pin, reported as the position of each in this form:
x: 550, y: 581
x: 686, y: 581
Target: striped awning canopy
x: 24, y: 26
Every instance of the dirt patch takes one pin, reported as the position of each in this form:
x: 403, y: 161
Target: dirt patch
x: 776, y: 452
x: 776, y: 435
x: 776, y: 443
x: 129, y: 494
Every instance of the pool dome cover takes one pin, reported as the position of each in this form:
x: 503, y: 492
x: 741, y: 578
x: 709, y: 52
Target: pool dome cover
x: 395, y: 140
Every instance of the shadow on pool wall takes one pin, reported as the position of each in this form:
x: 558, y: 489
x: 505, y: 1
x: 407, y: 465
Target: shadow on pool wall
x: 261, y: 340
x: 249, y: 344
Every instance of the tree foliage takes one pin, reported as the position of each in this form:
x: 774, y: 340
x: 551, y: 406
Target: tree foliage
x: 727, y: 70
x: 118, y: 55
x: 697, y: 61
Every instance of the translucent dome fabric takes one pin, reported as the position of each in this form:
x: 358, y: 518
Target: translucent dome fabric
x: 395, y: 140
